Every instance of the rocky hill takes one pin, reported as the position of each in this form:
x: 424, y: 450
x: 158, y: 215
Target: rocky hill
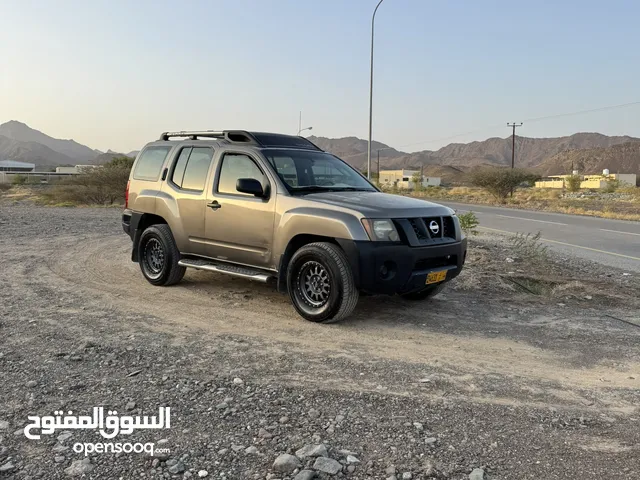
x: 623, y: 158
x: 32, y: 152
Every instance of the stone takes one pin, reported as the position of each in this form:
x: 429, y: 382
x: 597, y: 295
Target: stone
x: 79, y: 467
x: 57, y: 448
x: 177, y: 468
x: 418, y: 426
x: 407, y: 476
x: 4, y: 425
x: 477, y: 474
x: 262, y: 433
x: 312, y: 451
x: 155, y: 463
x: 59, y: 458
x: 202, y: 473
x: 32, y: 383
x: 286, y: 463
x: 391, y: 470
x: 7, y: 467
x: 430, y: 440
x: 352, y: 460
x: 283, y: 419
x: 313, y: 413
x: 305, y: 475
x: 130, y: 405
x: 252, y: 450
x: 327, y: 465
x: 237, y: 448
x: 64, y: 436
x: 238, y: 381
x: 351, y: 468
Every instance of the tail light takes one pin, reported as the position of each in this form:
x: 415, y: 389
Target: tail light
x: 126, y: 195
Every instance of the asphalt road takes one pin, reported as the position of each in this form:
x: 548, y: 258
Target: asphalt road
x: 614, y: 243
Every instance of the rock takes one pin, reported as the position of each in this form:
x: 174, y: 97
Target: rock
x: 407, y: 476
x: 477, y: 474
x: 64, y: 436
x: 237, y: 448
x: 177, y: 468
x: 57, y: 448
x: 588, y: 297
x: 171, y: 462
x: 313, y: 413
x: 59, y: 458
x: 339, y: 418
x: 79, y: 467
x: 7, y: 467
x: 283, y: 419
x: 390, y: 470
x: 238, y: 381
x: 305, y: 475
x: 155, y: 463
x: 130, y: 405
x: 251, y: 450
x: 418, y: 426
x: 32, y: 383
x: 223, y: 451
x: 286, y: 463
x: 4, y: 425
x: 508, y: 260
x: 351, y: 459
x: 202, y: 473
x: 312, y: 451
x: 327, y: 465
x: 262, y: 433
x: 392, y: 477
x: 430, y: 440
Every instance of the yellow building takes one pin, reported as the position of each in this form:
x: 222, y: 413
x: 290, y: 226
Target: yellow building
x: 589, y: 181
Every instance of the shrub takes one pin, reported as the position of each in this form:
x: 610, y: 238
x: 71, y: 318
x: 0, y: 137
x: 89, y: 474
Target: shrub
x: 572, y: 182
x: 19, y: 179
x: 103, y: 185
x: 499, y: 182
x: 529, y: 246
x: 611, y: 185
x: 469, y: 223
x: 417, y: 182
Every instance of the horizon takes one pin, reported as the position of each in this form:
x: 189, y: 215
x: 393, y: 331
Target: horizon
x: 112, y: 82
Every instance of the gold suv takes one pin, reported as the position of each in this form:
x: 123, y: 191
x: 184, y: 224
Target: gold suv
x: 276, y: 208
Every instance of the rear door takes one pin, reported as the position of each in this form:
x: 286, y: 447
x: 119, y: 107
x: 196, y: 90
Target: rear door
x: 238, y: 226
x: 186, y: 180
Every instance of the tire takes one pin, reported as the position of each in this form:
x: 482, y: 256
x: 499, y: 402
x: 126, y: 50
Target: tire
x: 425, y: 293
x: 158, y: 256
x: 320, y: 283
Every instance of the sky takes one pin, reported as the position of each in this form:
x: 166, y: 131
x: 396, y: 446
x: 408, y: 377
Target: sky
x: 115, y: 74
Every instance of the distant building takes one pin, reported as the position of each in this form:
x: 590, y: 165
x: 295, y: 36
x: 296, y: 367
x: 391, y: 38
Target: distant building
x: 404, y: 179
x: 589, y: 181
x: 74, y: 170
x: 16, y: 167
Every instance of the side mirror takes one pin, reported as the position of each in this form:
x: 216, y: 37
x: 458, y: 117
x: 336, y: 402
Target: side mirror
x: 250, y: 186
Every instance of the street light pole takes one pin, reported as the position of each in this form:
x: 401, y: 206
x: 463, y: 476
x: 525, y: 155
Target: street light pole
x: 373, y: 19
x: 303, y: 129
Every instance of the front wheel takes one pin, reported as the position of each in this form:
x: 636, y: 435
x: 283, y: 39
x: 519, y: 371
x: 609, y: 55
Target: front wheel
x: 320, y: 283
x: 159, y: 256
x: 425, y: 293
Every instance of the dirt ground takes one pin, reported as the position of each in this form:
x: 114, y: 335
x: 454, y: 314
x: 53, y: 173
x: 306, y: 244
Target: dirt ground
x: 522, y: 368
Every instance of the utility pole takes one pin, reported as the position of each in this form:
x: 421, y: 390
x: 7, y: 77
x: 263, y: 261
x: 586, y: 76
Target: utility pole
x: 513, y: 142
x: 300, y: 122
x: 373, y: 20
x: 378, y: 165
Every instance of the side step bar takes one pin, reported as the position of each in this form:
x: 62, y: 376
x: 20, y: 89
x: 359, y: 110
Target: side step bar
x: 233, y: 270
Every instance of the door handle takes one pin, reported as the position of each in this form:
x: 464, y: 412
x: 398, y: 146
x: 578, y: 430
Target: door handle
x: 214, y: 205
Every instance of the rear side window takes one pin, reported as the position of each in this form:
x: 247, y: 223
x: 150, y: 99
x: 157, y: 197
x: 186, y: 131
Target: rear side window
x: 191, y: 168
x: 150, y: 163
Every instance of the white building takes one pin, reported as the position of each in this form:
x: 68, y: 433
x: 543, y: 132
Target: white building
x: 16, y: 167
x: 405, y: 179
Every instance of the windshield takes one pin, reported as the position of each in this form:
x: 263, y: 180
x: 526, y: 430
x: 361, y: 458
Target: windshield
x: 308, y: 171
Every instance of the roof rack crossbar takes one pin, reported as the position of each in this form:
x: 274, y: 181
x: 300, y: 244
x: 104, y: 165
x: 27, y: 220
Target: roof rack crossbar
x: 193, y: 134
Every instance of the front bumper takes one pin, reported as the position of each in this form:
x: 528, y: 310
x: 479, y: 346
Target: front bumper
x: 390, y: 268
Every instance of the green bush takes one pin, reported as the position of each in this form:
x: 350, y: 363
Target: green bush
x: 529, y: 247
x: 572, y: 182
x: 499, y: 182
x: 611, y: 185
x: 19, y: 179
x: 469, y: 223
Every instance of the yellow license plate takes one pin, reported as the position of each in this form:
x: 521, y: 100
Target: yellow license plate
x: 436, y: 277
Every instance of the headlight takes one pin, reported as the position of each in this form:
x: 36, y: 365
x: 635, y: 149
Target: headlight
x: 380, y: 230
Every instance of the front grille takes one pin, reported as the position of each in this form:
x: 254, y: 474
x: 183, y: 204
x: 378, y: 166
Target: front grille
x: 416, y: 229
x: 448, y: 227
x: 429, y: 229
x: 434, y: 226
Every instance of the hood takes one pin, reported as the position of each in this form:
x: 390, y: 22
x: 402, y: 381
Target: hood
x: 380, y: 205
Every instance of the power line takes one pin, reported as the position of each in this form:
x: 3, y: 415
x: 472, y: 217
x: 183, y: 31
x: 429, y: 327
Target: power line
x: 528, y: 120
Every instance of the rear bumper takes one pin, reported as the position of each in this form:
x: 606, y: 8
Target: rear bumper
x: 390, y: 268
x: 126, y: 222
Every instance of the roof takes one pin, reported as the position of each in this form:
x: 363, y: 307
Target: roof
x: 14, y: 164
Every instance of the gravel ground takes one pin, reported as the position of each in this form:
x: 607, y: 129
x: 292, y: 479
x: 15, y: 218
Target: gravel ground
x: 523, y: 368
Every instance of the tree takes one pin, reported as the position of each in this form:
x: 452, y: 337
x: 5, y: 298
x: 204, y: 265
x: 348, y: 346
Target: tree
x: 572, y: 182
x: 610, y: 185
x: 499, y: 182
x: 416, y: 179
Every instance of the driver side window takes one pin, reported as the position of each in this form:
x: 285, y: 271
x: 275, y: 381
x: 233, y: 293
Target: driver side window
x: 235, y: 166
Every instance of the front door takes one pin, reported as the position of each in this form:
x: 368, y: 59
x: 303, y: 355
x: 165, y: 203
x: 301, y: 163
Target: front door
x: 239, y: 226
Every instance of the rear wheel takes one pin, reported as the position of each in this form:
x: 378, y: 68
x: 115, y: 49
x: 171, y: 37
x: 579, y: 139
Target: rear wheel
x: 425, y: 293
x: 320, y: 283
x: 158, y: 256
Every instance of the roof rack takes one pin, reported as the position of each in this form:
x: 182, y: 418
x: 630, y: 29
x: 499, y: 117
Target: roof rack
x: 193, y: 135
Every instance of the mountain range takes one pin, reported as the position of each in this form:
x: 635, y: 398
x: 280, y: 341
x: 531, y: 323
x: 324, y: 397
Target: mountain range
x: 587, y: 152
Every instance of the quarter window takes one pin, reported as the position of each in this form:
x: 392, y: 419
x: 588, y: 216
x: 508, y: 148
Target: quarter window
x: 150, y: 163
x: 235, y: 166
